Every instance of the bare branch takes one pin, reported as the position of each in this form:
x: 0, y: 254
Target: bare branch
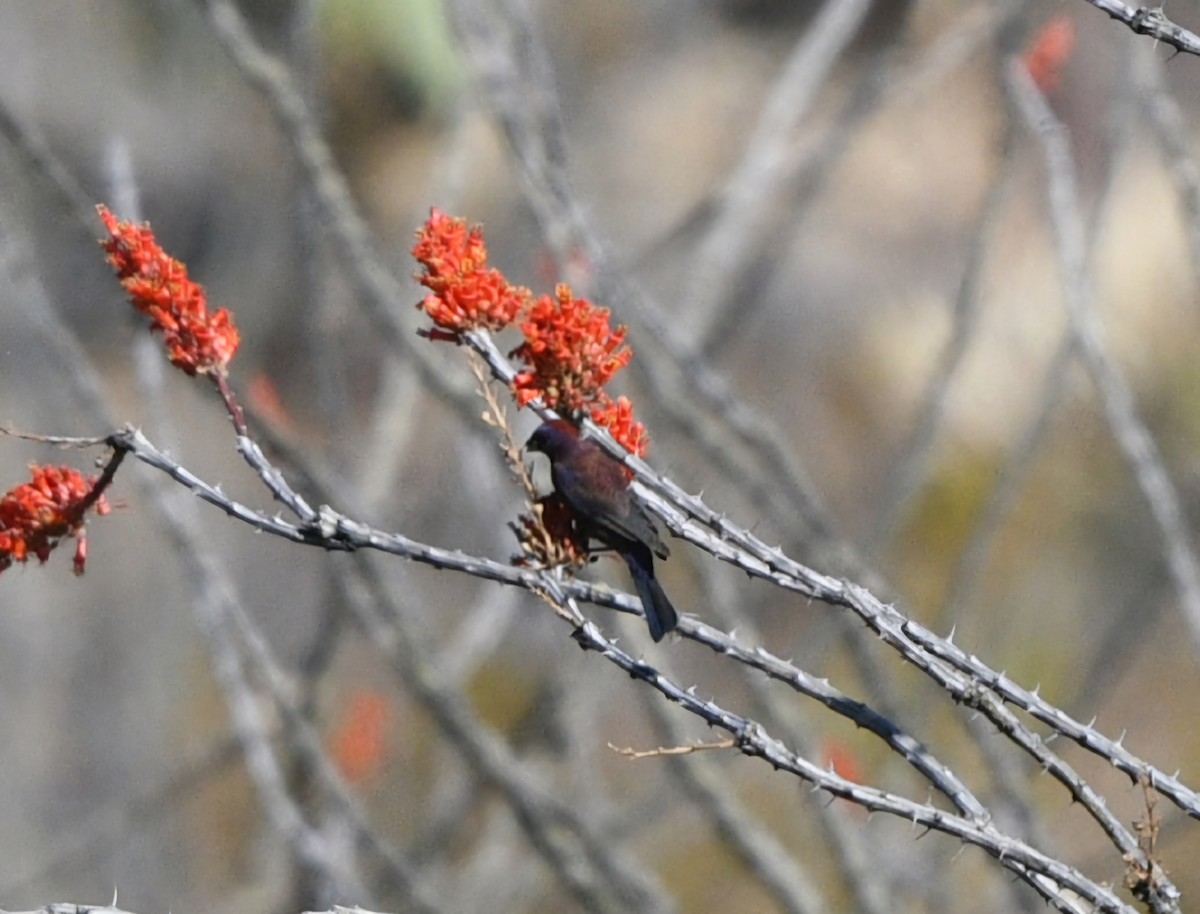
x: 1151, y: 21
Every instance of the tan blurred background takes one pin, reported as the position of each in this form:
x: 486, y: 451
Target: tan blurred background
x: 833, y: 329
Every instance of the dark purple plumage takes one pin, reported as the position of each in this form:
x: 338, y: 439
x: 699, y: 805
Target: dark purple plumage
x: 597, y: 489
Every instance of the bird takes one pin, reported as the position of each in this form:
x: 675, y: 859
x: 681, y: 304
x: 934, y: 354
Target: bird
x: 596, y: 487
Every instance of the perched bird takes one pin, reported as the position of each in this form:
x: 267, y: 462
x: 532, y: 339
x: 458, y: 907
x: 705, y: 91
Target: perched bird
x: 597, y: 489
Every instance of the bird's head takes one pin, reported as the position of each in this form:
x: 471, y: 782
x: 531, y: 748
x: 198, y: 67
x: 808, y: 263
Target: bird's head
x: 555, y: 439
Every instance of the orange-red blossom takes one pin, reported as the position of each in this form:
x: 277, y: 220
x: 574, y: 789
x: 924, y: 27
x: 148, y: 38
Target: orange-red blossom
x: 617, y: 417
x: 467, y: 293
x: 573, y: 352
x: 37, y: 515
x: 198, y: 341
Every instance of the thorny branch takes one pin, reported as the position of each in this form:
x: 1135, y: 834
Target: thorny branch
x: 1151, y: 21
x: 963, y: 677
x: 333, y: 531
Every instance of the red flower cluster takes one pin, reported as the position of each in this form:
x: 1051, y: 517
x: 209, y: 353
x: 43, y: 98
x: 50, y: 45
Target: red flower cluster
x: 198, y: 342
x: 572, y: 353
x: 570, y: 348
x: 467, y: 293
x: 617, y: 417
x: 35, y: 516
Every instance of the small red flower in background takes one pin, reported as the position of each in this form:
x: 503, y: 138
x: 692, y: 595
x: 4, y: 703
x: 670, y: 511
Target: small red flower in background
x: 467, y: 293
x: 1050, y: 52
x: 197, y: 341
x: 264, y: 396
x: 571, y: 351
x: 35, y: 516
x: 359, y: 746
x: 840, y: 759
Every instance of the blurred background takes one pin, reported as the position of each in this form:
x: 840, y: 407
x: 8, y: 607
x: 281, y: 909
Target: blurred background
x: 828, y: 230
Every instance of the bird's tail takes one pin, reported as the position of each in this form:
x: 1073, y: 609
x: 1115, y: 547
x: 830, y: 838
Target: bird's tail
x: 660, y: 614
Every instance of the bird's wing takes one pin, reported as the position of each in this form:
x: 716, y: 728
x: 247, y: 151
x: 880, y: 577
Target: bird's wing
x: 599, y: 494
x: 644, y: 530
